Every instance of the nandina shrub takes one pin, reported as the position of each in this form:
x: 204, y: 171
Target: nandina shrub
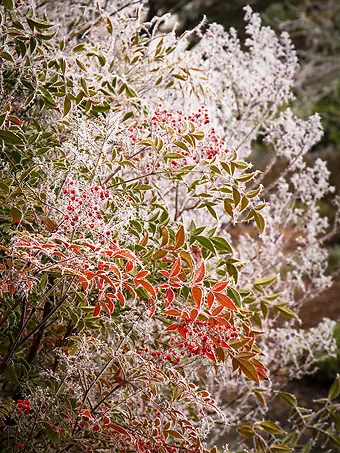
x: 137, y: 315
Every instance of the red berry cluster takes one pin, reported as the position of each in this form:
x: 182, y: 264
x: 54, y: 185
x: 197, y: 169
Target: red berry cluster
x: 83, y: 208
x: 164, y: 124
x: 21, y: 446
x: 201, y: 338
x: 24, y: 406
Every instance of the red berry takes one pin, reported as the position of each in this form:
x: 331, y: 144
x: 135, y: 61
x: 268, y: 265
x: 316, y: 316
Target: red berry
x: 19, y: 411
x: 21, y: 446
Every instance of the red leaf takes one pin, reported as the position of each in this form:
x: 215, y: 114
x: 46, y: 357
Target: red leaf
x: 84, y: 283
x: 118, y: 428
x: 219, y: 287
x: 199, y: 274
x: 225, y: 301
x: 96, y: 310
x: 121, y: 297
x: 180, y: 237
x: 152, y: 310
x: 210, y: 299
x: 211, y: 356
x: 197, y: 294
x: 110, y: 303
x: 176, y: 268
x: 170, y: 295
x: 182, y: 332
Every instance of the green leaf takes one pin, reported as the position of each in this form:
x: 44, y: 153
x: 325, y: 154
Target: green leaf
x: 127, y: 116
x: 10, y: 375
x: 271, y: 428
x: 146, y: 143
x: 206, y: 243
x: 334, y: 390
x: 8, y: 4
x: 16, y: 214
x: 236, y: 196
x: 10, y: 138
x: 278, y: 448
x: 79, y: 48
x: 246, y: 431
x: 67, y: 105
x: 199, y: 135
x: 182, y: 145
x: 259, y: 221
x: 6, y: 56
x: 288, y: 398
x: 51, y: 434
x: 285, y: 311
x: 266, y: 281
x: 221, y: 244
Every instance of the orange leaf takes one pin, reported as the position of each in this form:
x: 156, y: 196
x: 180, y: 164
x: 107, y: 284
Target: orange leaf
x: 222, y: 321
x: 180, y: 237
x: 210, y: 299
x: 249, y: 370
x: 164, y: 273
x: 217, y: 311
x: 124, y: 254
x: 149, y: 288
x: 218, y: 287
x: 106, y: 308
x: 199, y: 274
x: 86, y: 413
x: 194, y: 313
x: 225, y: 301
x: 109, y: 281
x: 176, y: 268
x: 173, y: 312
x: 129, y: 266
x: 129, y: 288
x: 172, y: 327
x: 142, y: 274
x: 165, y: 236
x: 197, y: 294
